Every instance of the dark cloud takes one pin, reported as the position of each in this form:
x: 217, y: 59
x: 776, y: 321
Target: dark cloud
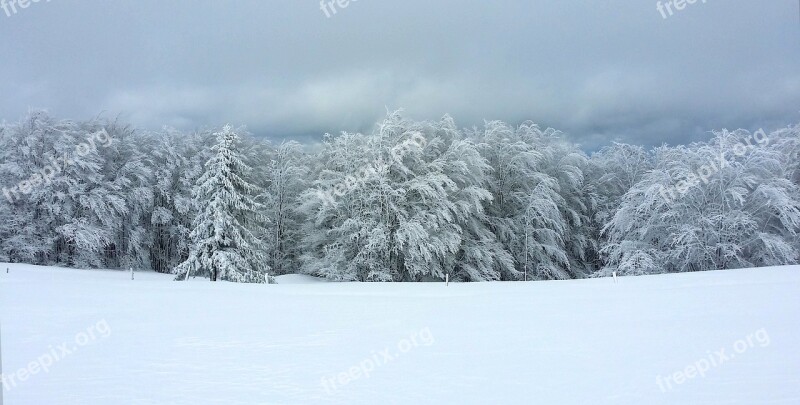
x: 599, y: 70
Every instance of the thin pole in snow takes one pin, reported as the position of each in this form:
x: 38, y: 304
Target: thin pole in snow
x: 1, y: 369
x: 131, y: 273
x: 447, y: 280
x: 615, y: 276
x: 527, y: 224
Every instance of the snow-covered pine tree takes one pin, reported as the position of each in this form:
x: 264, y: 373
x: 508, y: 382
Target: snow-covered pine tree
x: 223, y: 243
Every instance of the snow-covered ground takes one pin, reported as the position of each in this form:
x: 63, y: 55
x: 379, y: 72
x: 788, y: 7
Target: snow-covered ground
x: 714, y: 337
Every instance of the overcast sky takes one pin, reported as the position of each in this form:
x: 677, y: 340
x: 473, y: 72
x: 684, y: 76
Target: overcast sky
x: 598, y: 70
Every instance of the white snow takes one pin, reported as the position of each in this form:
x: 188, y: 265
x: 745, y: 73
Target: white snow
x: 298, y: 279
x: 564, y: 342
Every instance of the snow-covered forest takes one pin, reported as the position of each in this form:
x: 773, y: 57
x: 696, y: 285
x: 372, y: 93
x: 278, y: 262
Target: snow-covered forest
x: 410, y: 201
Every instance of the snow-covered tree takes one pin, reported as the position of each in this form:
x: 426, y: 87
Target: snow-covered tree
x: 568, y: 165
x: 49, y: 173
x: 223, y: 245
x: 178, y: 162
x: 29, y: 214
x: 405, y: 203
x: 285, y: 179
x: 122, y: 199
x: 616, y: 169
x: 725, y: 204
x: 410, y: 201
x: 541, y: 204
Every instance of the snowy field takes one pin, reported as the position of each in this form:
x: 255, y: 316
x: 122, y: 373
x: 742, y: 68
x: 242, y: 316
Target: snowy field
x: 714, y: 337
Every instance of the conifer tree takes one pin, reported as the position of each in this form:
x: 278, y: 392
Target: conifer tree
x: 223, y: 243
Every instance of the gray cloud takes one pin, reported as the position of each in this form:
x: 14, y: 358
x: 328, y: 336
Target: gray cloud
x: 599, y: 70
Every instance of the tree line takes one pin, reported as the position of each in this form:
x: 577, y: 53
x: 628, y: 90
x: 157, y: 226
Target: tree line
x: 410, y: 201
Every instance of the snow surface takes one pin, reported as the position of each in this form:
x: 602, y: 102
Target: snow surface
x: 563, y: 342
